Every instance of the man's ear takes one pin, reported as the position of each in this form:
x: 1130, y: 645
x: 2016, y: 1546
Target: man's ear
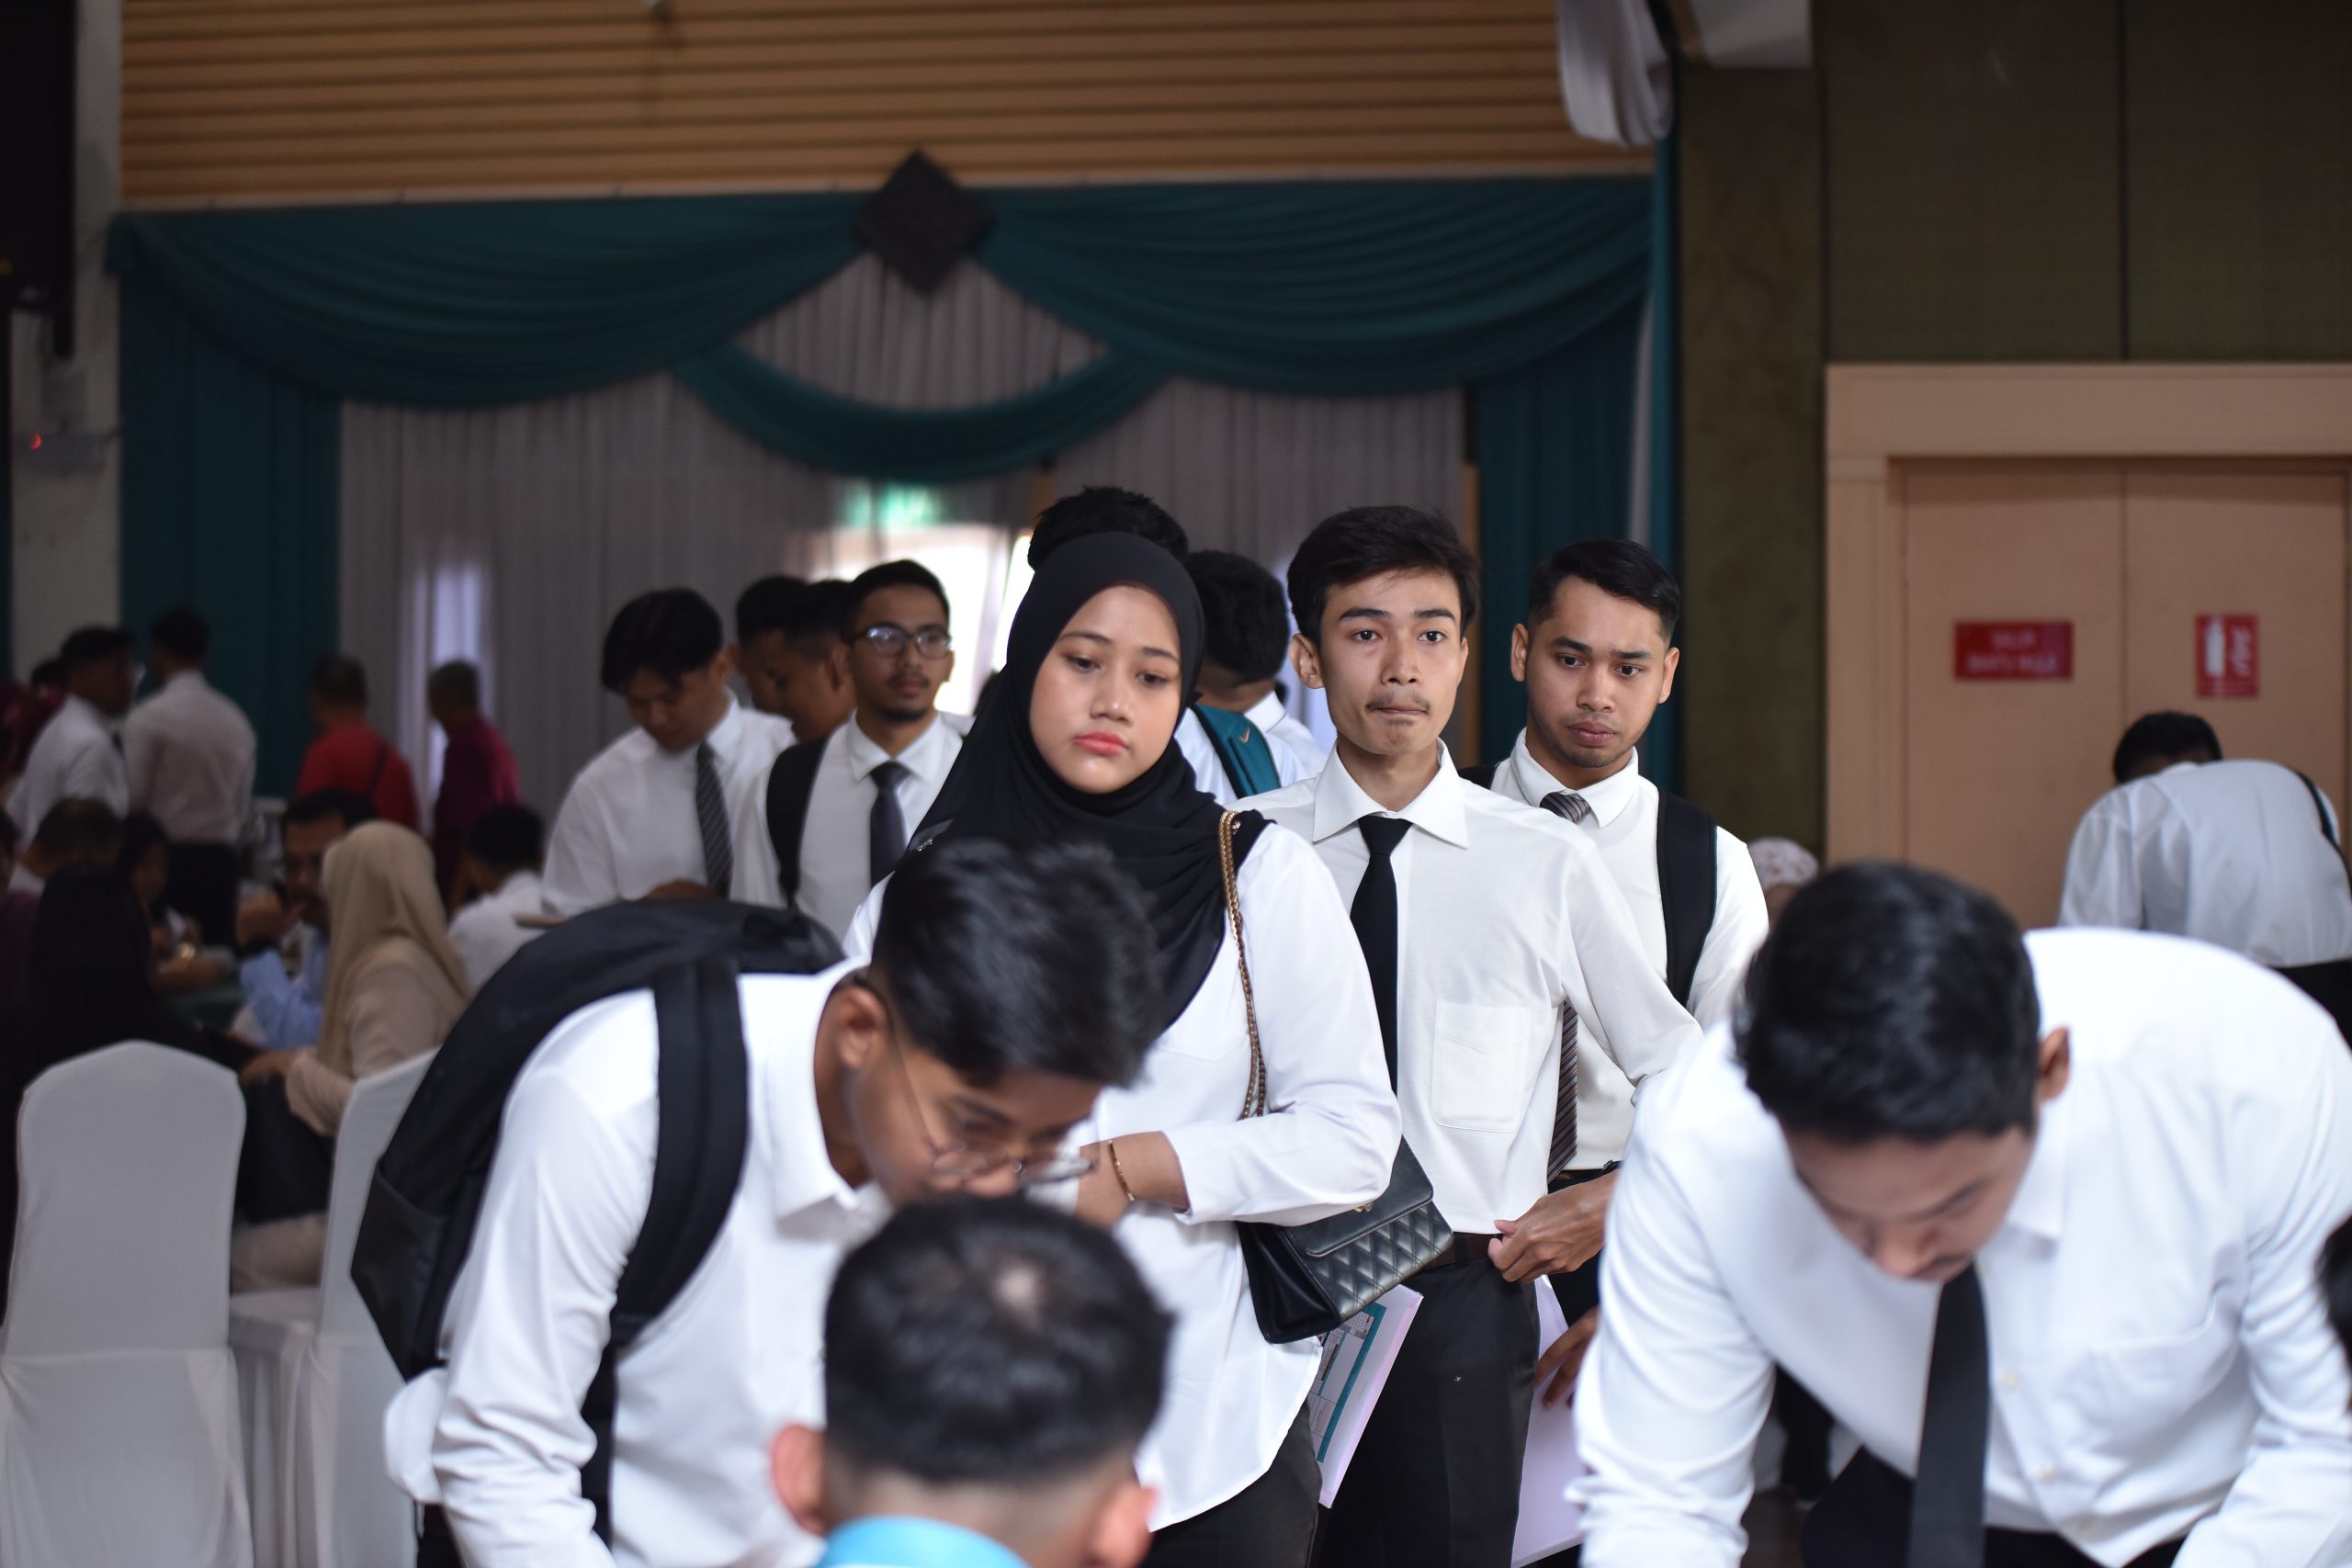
x: 1122, y: 1533
x: 2057, y: 1066
x: 1673, y: 662
x: 853, y: 1017
x: 1308, y: 659
x: 798, y: 1461
x: 1518, y: 653
x: 837, y: 667
x: 723, y: 666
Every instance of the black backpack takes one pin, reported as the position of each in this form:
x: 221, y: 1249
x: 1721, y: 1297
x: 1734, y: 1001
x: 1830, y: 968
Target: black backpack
x: 792, y: 778
x: 427, y: 1194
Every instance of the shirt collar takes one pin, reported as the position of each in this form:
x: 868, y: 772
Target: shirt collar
x: 1607, y: 798
x: 725, y: 734
x: 1440, y: 809
x: 1267, y: 712
x: 805, y: 1175
x: 86, y: 712
x: 920, y: 758
x: 2039, y: 1207
x: 192, y: 678
x: 900, y: 1542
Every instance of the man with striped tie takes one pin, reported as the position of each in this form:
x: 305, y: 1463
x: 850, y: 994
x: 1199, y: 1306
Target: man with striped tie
x: 650, y: 816
x: 1496, y: 940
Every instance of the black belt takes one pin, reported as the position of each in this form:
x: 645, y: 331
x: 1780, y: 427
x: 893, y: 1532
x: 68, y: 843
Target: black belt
x: 1463, y: 1248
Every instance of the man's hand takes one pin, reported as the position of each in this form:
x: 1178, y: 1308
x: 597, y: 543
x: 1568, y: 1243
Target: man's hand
x: 684, y: 887
x: 1562, y: 1232
x: 1556, y: 1372
x: 264, y: 919
x: 267, y: 1065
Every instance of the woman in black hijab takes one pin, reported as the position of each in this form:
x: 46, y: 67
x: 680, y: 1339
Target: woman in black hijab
x: 1077, y: 742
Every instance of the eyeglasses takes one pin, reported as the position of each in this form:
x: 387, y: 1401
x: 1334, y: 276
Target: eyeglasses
x: 961, y: 1162
x: 890, y: 641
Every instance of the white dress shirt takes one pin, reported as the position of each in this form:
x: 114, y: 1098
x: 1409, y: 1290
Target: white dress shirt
x: 190, y: 755
x: 1504, y: 913
x: 24, y: 879
x: 77, y: 756
x: 628, y: 823
x: 484, y: 932
x: 2228, y: 853
x: 1231, y: 1396
x: 1623, y: 826
x: 2159, y: 1351
x: 833, y: 847
x: 1295, y: 750
x: 496, y: 1437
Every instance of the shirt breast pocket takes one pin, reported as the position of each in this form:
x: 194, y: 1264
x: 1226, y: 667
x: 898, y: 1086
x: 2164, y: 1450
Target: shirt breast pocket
x: 1484, y: 1059
x: 2144, y: 1387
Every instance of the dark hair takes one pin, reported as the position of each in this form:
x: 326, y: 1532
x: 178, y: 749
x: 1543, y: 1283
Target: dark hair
x: 670, y: 631
x: 49, y: 673
x: 2335, y: 1283
x: 141, y: 834
x: 889, y: 574
x: 9, y: 832
x: 1244, y: 623
x: 348, y: 806
x: 1038, y: 957
x: 767, y: 605
x: 808, y: 615
x: 989, y: 1341
x: 506, y: 838
x: 341, y: 680
x: 1892, y: 1002
x: 457, y: 683
x: 1105, y: 509
x: 80, y: 831
x: 92, y: 644
x: 90, y: 943
x: 183, y: 632
x: 2165, y: 738
x: 1619, y: 567
x: 1373, y: 541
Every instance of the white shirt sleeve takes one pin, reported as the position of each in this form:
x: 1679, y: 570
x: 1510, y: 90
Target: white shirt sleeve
x: 759, y: 879
x: 95, y: 771
x: 567, y: 1196
x: 2103, y: 868
x: 1673, y: 1395
x: 1208, y: 772
x: 580, y: 872
x: 1619, y: 996
x: 1740, y: 925
x: 1331, y: 1137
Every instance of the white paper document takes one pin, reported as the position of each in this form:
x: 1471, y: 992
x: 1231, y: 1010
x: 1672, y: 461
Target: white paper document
x: 1357, y: 1357
x: 1548, y: 1522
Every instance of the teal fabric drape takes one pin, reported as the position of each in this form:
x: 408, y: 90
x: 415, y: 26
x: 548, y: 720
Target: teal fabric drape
x: 1521, y: 290
x: 1662, y: 748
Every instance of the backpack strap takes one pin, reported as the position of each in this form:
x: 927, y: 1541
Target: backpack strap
x: 703, y: 1094
x: 2319, y: 801
x: 791, y: 780
x: 1685, y: 885
x: 1242, y: 748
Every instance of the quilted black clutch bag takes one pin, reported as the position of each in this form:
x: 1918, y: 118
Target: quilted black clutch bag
x: 1308, y: 1279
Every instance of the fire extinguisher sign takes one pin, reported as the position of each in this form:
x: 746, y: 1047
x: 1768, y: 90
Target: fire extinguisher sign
x: 2229, y: 656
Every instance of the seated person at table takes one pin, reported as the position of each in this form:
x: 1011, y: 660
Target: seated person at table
x: 502, y: 866
x: 394, y: 987
x: 289, y: 924
x: 75, y: 833
x: 146, y: 859
x: 991, y: 1365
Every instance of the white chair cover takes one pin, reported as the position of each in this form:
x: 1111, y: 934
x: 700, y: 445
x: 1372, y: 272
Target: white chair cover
x: 315, y: 1379
x: 118, y: 1401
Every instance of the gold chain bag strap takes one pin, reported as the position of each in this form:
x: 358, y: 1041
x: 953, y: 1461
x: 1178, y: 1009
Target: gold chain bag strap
x: 1308, y: 1279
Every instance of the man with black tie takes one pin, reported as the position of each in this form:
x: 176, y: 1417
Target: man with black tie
x: 1496, y: 941
x: 2035, y: 1217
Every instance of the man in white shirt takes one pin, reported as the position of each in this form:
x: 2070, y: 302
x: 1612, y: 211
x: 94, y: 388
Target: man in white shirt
x: 2245, y: 855
x: 651, y: 815
x: 1248, y: 630
x: 847, y: 802
x: 1493, y: 934
x: 788, y: 645
x: 871, y: 1086
x: 190, y: 756
x: 501, y: 865
x: 2036, y: 1218
x: 1598, y: 657
x: 78, y: 754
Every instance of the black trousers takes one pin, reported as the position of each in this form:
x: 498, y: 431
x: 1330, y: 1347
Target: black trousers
x: 203, y: 887
x: 283, y: 1167
x: 1864, y: 1521
x: 1268, y: 1523
x: 1435, y: 1480
x: 2329, y: 985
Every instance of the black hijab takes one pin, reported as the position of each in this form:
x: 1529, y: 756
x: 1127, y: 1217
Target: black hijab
x: 1160, y: 827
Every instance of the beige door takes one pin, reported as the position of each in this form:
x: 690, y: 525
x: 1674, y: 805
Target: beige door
x: 2266, y: 546
x: 1997, y: 771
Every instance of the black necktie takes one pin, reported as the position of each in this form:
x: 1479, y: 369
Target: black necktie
x: 710, y: 815
x: 1948, y: 1503
x: 1572, y: 806
x: 1373, y: 914
x: 885, y: 828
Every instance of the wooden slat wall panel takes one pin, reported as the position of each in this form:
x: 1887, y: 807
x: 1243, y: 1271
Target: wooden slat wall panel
x: 270, y: 99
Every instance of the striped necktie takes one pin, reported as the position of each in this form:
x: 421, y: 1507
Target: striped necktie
x: 710, y: 815
x: 1570, y: 805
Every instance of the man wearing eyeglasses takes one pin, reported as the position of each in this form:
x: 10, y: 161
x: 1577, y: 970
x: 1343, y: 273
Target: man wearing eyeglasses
x: 872, y: 1087
x: 833, y: 818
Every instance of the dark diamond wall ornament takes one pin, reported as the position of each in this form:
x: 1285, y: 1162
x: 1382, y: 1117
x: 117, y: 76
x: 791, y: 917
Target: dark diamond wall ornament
x: 921, y: 223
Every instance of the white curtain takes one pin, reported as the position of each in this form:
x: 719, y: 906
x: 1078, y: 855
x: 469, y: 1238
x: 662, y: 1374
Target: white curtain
x: 509, y: 534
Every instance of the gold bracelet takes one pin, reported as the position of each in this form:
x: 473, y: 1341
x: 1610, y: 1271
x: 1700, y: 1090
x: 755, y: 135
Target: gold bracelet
x: 1119, y: 1170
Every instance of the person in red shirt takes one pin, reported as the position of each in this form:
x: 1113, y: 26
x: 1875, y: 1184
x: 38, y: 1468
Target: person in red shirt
x: 348, y: 754
x: 477, y: 769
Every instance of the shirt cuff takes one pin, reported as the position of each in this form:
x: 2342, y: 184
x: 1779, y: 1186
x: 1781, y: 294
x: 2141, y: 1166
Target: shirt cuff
x: 1202, y: 1152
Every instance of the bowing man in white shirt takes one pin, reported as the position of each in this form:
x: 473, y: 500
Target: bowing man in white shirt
x: 2245, y: 855
x: 1493, y: 934
x: 501, y: 866
x: 652, y: 814
x: 190, y: 756
x: 78, y: 754
x: 2036, y: 1218
x: 1248, y: 642
x: 1075, y: 746
x: 1005, y: 988
x: 843, y: 803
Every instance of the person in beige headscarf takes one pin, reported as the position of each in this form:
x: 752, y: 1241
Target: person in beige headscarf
x: 395, y: 985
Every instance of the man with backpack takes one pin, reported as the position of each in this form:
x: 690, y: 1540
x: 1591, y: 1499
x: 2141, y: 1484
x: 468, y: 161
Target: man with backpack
x: 581, y: 1417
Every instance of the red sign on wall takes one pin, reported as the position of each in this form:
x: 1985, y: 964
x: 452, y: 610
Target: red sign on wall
x: 2013, y: 651
x: 2229, y: 656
